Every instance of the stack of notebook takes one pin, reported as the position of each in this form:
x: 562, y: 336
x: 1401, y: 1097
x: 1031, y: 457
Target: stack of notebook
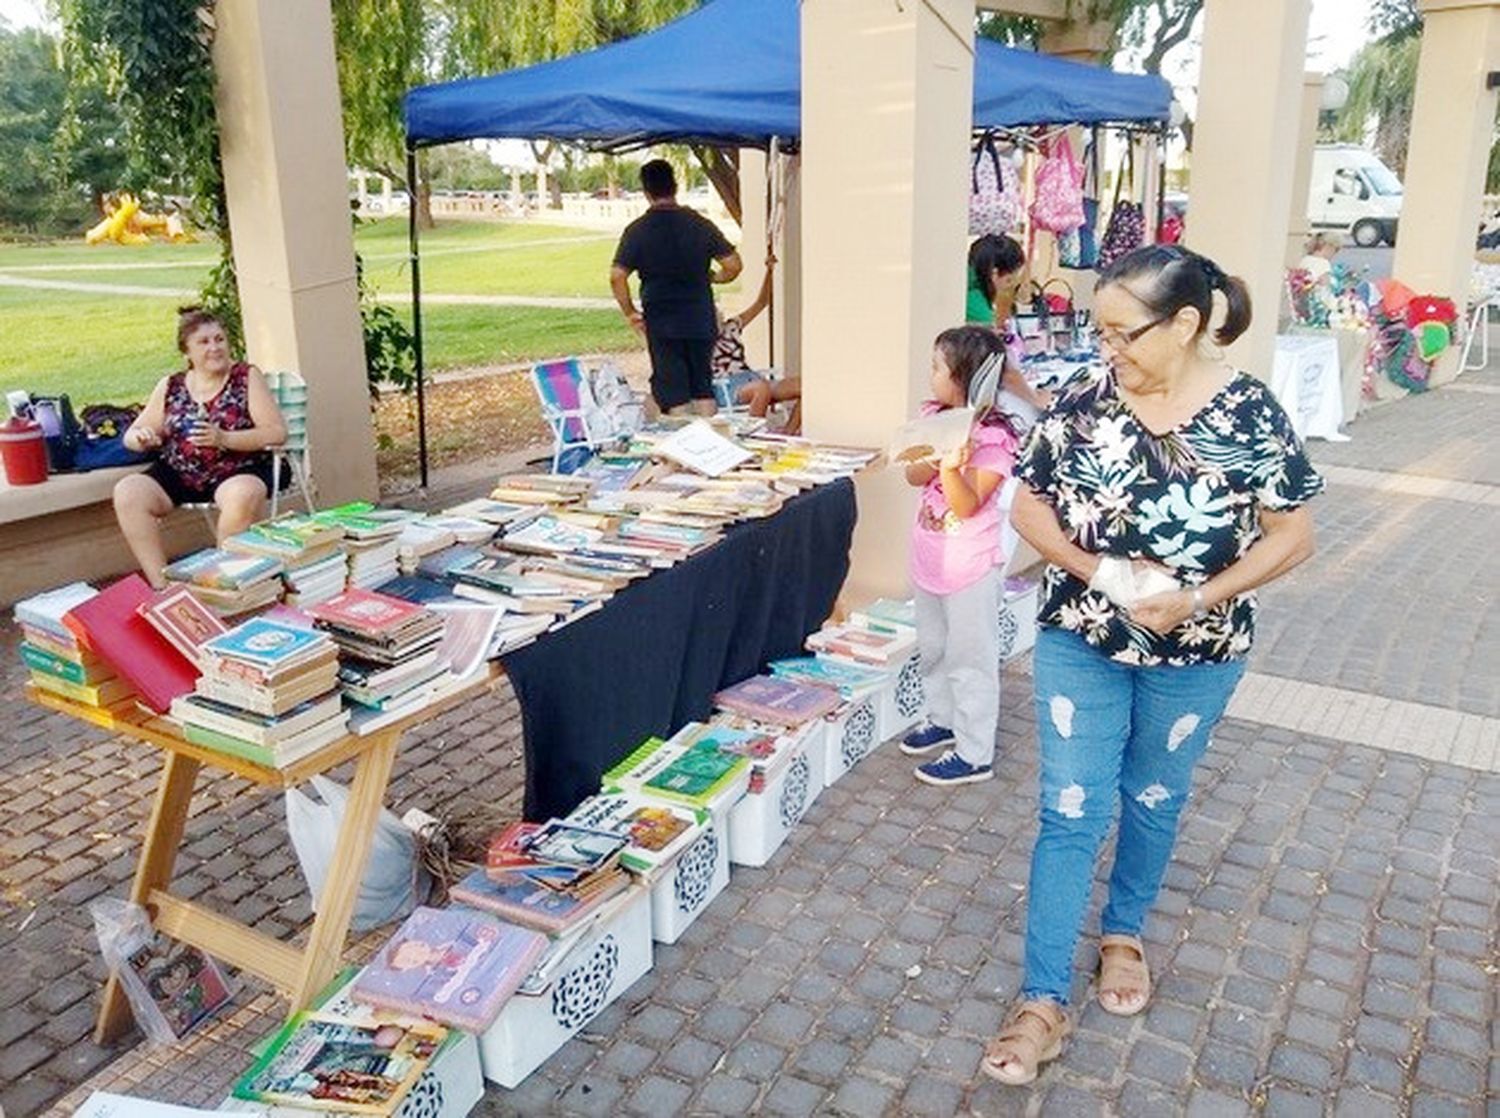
x: 268, y: 694
x: 230, y: 584
x: 57, y: 661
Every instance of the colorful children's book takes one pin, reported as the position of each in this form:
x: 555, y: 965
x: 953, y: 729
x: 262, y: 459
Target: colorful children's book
x: 183, y: 620
x: 687, y: 769
x: 224, y: 570
x: 786, y: 702
x: 454, y: 965
x: 522, y: 901
x: 850, y: 679
x: 507, y: 850
x: 45, y: 611
x: 657, y: 832
x: 565, y: 852
x: 321, y: 1061
x: 110, y: 624
x: 184, y: 984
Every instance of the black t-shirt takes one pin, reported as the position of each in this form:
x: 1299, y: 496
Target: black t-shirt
x: 671, y: 249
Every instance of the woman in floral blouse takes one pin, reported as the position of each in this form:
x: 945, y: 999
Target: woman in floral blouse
x: 1161, y: 490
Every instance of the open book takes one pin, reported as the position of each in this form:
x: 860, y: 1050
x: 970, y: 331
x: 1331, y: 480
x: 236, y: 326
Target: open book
x: 929, y: 437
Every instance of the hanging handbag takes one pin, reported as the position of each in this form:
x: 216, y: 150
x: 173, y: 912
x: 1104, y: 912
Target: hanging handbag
x: 1080, y: 248
x: 1058, y: 203
x: 994, y: 191
x: 1126, y: 230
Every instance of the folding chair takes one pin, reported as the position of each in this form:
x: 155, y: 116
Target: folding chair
x: 567, y: 404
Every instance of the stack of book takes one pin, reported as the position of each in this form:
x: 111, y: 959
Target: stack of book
x: 419, y: 539
x: 310, y: 550
x: 691, y: 767
x: 857, y: 644
x: 547, y: 876
x: 370, y: 540
x: 54, y: 656
x: 850, y: 679
x: 887, y: 615
x: 391, y: 666
x: 766, y: 748
x: 111, y: 624
x: 230, y: 584
x: 495, y: 513
x: 778, y: 701
x: 541, y: 489
x: 268, y: 694
x: 182, y: 620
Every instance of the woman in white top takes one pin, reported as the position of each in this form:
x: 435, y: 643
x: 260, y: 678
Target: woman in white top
x: 1320, y: 250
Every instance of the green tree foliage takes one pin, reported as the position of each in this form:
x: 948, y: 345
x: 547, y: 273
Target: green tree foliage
x: 1152, y: 26
x: 1382, y: 81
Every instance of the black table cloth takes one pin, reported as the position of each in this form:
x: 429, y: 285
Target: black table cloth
x: 653, y: 657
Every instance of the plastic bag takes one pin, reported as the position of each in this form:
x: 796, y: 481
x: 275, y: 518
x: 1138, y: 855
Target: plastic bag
x: 394, y: 883
x: 171, y: 986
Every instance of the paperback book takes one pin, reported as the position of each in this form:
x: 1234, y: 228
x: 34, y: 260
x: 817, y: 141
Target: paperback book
x: 785, y: 702
x: 222, y: 570
x: 519, y: 899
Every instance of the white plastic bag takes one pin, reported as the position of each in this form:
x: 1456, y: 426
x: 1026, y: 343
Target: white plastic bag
x: 618, y: 411
x: 394, y: 882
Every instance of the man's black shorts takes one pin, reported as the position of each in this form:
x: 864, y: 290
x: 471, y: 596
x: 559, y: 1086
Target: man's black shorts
x: 180, y: 492
x: 680, y: 370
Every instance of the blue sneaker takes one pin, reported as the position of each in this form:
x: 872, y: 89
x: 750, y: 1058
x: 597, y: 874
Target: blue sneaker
x: 950, y: 768
x: 926, y: 738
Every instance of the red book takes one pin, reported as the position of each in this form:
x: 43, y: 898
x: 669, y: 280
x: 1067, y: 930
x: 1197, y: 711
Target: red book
x: 365, y: 611
x: 110, y: 625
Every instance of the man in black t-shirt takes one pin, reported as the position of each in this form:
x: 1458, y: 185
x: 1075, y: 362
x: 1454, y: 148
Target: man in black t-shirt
x: 675, y: 251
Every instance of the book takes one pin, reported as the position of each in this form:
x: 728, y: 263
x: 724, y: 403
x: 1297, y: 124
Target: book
x: 523, y: 901
x: 277, y: 756
x: 106, y: 1104
x: 786, y: 702
x: 850, y: 679
x: 362, y: 611
x: 264, y: 700
x: 929, y: 437
x: 686, y: 769
x: 507, y: 850
x: 866, y: 646
x: 549, y: 534
x: 468, y: 633
x: 45, y: 611
x: 222, y: 570
x: 110, y: 624
x: 183, y: 620
x: 268, y: 644
x: 454, y: 965
x: 886, y: 614
x: 564, y: 853
x: 105, y: 693
x: 184, y: 984
x: 69, y: 669
x: 418, y: 589
x: 321, y: 1061
x: 699, y: 447
x: 655, y: 832
x: 249, y: 726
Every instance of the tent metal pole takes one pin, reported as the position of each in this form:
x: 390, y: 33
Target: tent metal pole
x: 415, y: 258
x: 1161, y: 180
x: 771, y: 249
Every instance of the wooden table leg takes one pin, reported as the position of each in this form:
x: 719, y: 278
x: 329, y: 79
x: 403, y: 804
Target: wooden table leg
x: 325, y: 943
x: 154, y: 871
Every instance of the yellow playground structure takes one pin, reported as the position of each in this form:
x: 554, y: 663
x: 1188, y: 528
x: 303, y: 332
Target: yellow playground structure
x: 125, y: 223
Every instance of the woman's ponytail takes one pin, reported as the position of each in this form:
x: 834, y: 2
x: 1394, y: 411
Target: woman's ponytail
x: 1237, y: 313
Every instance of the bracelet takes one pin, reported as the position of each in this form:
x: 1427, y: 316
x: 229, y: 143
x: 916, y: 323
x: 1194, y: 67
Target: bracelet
x: 1199, y: 609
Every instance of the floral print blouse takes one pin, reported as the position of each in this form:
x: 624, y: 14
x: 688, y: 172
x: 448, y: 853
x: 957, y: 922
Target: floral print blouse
x: 1189, y: 499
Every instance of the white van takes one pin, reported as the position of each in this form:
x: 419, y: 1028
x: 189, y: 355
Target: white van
x: 1352, y: 191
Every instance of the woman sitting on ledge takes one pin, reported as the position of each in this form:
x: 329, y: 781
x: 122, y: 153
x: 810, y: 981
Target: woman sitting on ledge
x: 211, y: 425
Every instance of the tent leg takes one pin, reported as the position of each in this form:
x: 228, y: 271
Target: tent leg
x: 416, y: 308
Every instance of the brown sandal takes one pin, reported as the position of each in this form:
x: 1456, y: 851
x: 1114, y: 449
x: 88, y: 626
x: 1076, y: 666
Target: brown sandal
x: 1033, y: 1034
x: 1117, y: 971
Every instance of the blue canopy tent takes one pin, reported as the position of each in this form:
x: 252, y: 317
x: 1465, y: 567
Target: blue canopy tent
x: 726, y: 74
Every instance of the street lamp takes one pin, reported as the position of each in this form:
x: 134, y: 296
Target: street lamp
x: 1335, y: 94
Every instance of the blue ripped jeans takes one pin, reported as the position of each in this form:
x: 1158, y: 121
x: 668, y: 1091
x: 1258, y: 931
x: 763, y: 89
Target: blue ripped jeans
x: 1112, y: 735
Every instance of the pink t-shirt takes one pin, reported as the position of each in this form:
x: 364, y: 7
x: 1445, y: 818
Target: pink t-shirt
x: 949, y: 552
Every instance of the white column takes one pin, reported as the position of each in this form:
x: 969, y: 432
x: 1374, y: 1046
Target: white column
x: 1241, y: 188
x: 753, y: 253
x: 1298, y: 229
x: 887, y: 94
x: 282, y: 142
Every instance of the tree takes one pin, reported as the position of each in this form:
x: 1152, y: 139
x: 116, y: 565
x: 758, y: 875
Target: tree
x: 1382, y: 81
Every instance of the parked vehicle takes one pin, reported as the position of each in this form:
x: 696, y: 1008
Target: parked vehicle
x: 1352, y: 191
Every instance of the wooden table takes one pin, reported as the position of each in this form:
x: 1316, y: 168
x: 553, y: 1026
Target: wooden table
x: 298, y: 974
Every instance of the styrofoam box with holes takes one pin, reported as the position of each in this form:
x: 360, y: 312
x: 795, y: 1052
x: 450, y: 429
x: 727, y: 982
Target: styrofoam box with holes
x: 1018, y: 606
x: 851, y: 734
x: 450, y: 1087
x: 679, y: 894
x: 574, y: 981
x: 760, y: 822
x: 903, y: 701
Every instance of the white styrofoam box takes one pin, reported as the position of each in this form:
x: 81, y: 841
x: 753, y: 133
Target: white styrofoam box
x: 690, y: 884
x: 1018, y: 605
x: 903, y: 701
x: 451, y: 1086
x: 853, y: 732
x: 610, y: 954
x: 760, y: 822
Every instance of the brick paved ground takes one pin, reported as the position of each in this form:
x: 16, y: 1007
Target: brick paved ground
x: 1325, y: 945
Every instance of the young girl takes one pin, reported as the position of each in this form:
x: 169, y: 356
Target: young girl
x: 954, y: 555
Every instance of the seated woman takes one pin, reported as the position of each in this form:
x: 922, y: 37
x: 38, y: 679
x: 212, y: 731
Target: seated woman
x: 731, y: 368
x: 1320, y: 249
x: 997, y: 266
x: 211, y: 425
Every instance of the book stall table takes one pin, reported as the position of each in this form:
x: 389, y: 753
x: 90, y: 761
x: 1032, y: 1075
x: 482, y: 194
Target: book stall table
x: 652, y: 659
x: 300, y: 974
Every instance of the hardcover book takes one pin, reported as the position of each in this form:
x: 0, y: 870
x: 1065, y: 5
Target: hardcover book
x: 183, y: 620
x: 455, y: 965
x: 786, y: 702
x: 321, y: 1061
x: 657, y: 832
x: 110, y: 624
x: 363, y: 611
x: 523, y: 901
x: 223, y: 570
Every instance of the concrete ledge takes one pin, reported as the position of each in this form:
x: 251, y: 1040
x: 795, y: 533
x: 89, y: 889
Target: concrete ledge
x: 64, y: 530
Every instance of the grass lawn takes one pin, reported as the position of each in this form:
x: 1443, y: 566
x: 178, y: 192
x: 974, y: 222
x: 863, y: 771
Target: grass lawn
x: 113, y: 347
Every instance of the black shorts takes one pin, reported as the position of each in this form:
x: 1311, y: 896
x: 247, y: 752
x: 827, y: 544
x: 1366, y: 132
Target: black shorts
x: 680, y: 370
x: 181, y: 493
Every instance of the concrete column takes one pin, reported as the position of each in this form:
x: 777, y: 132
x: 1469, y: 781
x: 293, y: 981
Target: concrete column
x: 883, y: 239
x: 1453, y: 116
x: 786, y: 342
x: 1298, y: 229
x: 282, y: 142
x: 753, y: 253
x: 1241, y: 189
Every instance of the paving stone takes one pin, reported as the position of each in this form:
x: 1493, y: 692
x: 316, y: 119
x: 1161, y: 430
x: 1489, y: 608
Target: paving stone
x: 858, y: 1097
x: 1061, y: 1101
x: 755, y: 1060
x: 595, y: 1095
x: 19, y: 1057
x: 890, y: 1058
x: 931, y: 1097
x: 724, y: 1094
x: 1204, y: 1103
x: 1284, y: 1103
x: 1360, y: 1103
x: 1451, y: 1074
x: 1378, y: 1070
x: 1226, y: 1065
x: 659, y: 1095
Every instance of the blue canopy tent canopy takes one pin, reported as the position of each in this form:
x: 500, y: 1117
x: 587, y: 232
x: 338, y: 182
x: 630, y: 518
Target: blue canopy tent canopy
x: 727, y: 74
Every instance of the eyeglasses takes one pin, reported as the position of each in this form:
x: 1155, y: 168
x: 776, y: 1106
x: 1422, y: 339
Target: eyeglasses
x: 1119, y: 340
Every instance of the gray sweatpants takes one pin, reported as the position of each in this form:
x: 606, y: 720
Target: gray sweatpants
x: 958, y: 636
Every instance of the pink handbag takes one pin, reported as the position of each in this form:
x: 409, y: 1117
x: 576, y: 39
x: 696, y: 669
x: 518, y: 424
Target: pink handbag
x: 1058, y: 204
x: 994, y: 191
